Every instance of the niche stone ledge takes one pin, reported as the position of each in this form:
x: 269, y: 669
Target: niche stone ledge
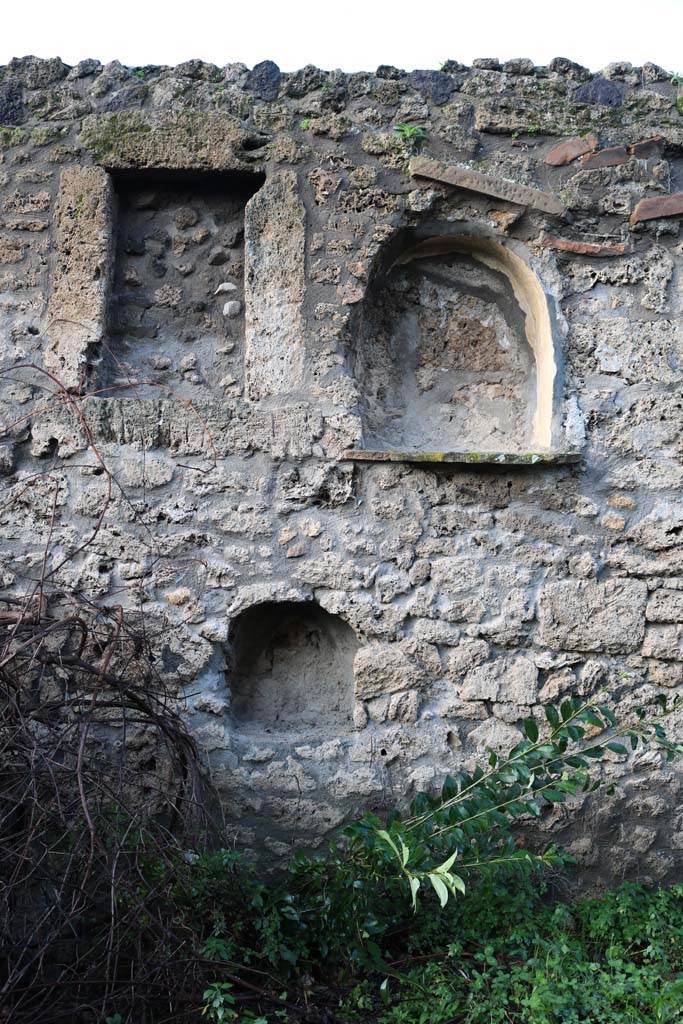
x: 470, y: 458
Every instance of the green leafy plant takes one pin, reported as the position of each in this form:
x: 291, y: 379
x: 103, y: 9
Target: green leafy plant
x: 411, y: 134
x: 219, y: 1003
x: 471, y: 823
x: 516, y: 955
x: 305, y: 124
x: 342, y: 911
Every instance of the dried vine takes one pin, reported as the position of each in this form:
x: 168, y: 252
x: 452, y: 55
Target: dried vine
x: 99, y: 779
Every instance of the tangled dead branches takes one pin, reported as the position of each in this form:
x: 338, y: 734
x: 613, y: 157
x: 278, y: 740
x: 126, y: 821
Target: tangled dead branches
x: 100, y: 778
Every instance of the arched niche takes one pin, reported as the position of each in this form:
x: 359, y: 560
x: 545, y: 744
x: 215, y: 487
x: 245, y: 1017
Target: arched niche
x: 454, y: 348
x: 291, y: 669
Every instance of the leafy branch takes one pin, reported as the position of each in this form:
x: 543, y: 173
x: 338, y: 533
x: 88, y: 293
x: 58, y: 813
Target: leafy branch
x: 471, y: 822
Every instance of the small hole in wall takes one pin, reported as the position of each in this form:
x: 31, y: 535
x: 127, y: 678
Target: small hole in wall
x: 50, y: 449
x: 291, y: 668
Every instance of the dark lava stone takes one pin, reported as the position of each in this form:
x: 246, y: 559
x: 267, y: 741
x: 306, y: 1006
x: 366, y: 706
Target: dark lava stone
x: 600, y: 91
x: 264, y: 80
x: 434, y: 85
x: 12, y: 110
x: 388, y: 71
x: 568, y: 68
x: 306, y: 80
x: 335, y: 92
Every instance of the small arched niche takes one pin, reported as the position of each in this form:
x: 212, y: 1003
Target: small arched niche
x: 455, y: 350
x: 291, y: 668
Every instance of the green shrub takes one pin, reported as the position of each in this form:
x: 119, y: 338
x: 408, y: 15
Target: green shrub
x: 616, y: 959
x: 341, y: 919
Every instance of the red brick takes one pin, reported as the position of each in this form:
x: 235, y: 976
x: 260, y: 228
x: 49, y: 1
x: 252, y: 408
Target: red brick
x: 610, y: 157
x: 656, y: 207
x: 585, y: 248
x: 568, y: 150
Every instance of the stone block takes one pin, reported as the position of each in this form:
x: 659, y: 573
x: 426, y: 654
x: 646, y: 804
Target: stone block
x: 665, y: 642
x: 433, y: 85
x: 599, y: 91
x: 264, y: 80
x: 505, y: 679
x: 11, y: 249
x: 274, y: 289
x: 494, y: 735
x: 12, y: 110
x: 584, y: 248
x: 582, y: 615
x: 648, y: 149
x: 404, y: 707
x: 384, y: 668
x: 665, y: 606
x: 662, y: 529
x: 612, y: 156
x: 77, y: 310
x: 195, y: 140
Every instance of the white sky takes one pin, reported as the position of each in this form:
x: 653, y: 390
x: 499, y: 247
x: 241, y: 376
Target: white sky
x: 350, y: 34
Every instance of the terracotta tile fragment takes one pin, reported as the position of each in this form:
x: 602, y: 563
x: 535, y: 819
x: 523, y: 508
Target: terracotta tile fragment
x: 657, y: 206
x: 487, y: 185
x: 584, y: 248
x: 646, y: 149
x: 610, y: 157
x: 569, y: 149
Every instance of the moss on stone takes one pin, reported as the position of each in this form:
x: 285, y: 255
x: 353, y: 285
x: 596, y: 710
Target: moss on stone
x: 12, y: 136
x: 471, y: 457
x: 46, y: 134
x: 191, y: 139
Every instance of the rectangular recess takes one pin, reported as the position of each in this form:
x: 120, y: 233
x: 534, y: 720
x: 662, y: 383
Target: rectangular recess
x: 175, y: 322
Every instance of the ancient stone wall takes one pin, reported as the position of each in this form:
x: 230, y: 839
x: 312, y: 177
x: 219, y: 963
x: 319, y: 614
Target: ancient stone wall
x: 387, y: 370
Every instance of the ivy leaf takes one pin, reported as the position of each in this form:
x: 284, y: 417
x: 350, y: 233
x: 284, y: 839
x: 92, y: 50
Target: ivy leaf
x: 449, y: 788
x: 566, y: 710
x: 530, y: 729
